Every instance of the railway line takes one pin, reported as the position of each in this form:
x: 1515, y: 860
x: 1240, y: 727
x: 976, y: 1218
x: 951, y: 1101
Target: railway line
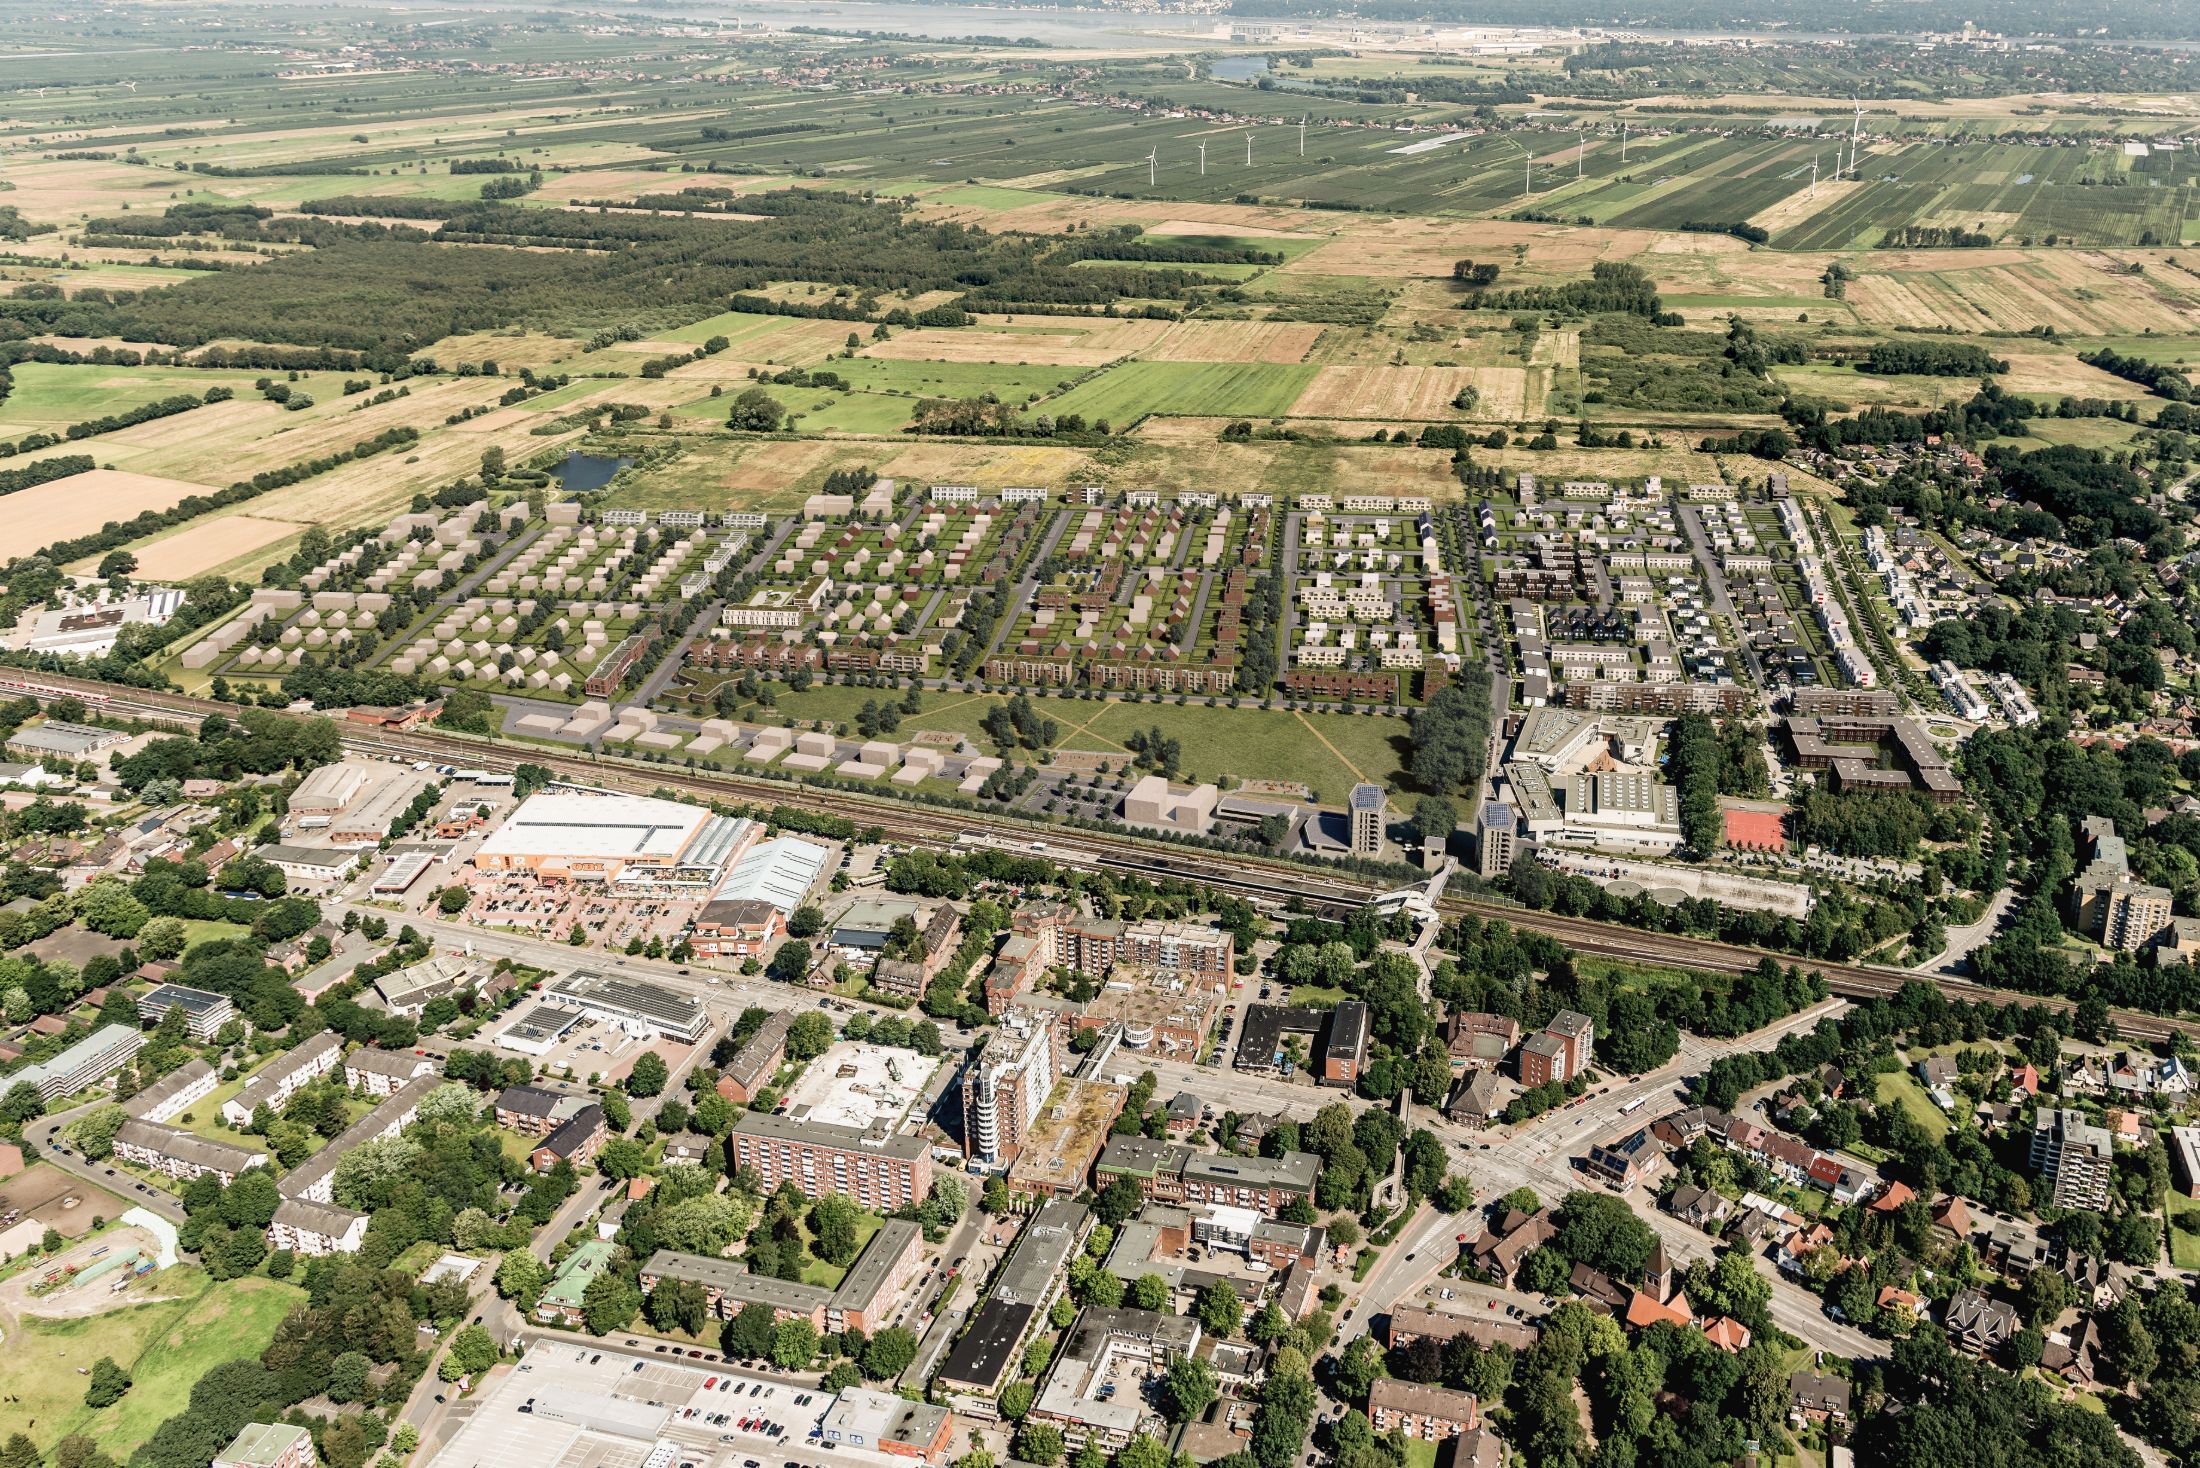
x: 1269, y: 882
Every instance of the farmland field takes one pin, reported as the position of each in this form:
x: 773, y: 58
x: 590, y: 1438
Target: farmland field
x: 1124, y: 393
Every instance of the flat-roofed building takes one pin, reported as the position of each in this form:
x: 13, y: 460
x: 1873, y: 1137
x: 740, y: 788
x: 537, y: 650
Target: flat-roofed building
x: 1005, y: 1085
x: 2185, y: 1152
x: 204, y: 1012
x: 265, y: 1445
x: 1169, y: 1172
x: 862, y: 1301
x: 91, y: 1060
x: 1082, y: 1393
x: 310, y: 864
x: 878, y: 1168
x: 1344, y: 1048
x: 983, y: 1359
x: 881, y: 1423
x: 637, y: 1006
x: 625, y: 840
x: 2075, y: 1156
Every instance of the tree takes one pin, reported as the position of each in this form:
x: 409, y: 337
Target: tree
x: 521, y: 1278
x: 1039, y: 1443
x: 19, y: 1452
x: 752, y: 1333
x: 1191, y: 1387
x: 1269, y: 1326
x: 347, y: 1376
x: 472, y: 1350
x: 808, y: 1035
x: 995, y: 1198
x: 107, y: 1385
x: 95, y: 1134
x: 833, y: 1224
x: 806, y: 921
x: 1117, y: 1201
x: 889, y: 1353
x: 678, y: 1304
x: 1220, y: 1312
x: 756, y: 411
x: 1359, y: 1368
x: 794, y: 1344
x: 1015, y: 1400
x: 1148, y: 1292
x: 610, y: 1303
x: 648, y: 1076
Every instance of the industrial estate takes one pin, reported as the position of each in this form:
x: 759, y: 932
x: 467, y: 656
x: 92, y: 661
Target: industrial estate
x: 781, y: 736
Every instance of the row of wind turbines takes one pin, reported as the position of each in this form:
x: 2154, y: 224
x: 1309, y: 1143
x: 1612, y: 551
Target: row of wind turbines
x: 1581, y: 148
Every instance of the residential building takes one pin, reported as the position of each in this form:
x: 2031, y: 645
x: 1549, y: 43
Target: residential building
x: 316, y: 1229
x: 1627, y: 1161
x: 1006, y: 1083
x: 741, y: 927
x: 91, y: 1060
x: 561, y: 1302
x: 577, y: 1140
x: 204, y: 1013
x: 168, y: 1096
x: 2185, y: 1153
x: 879, y: 1169
x: 262, y: 1445
x: 1978, y: 1323
x: 281, y: 1078
x: 537, y: 1111
x: 2075, y: 1156
x: 1170, y: 1172
x: 386, y: 1072
x: 758, y: 1060
x: 1344, y: 1049
x: 1419, y: 1410
x: 179, y: 1154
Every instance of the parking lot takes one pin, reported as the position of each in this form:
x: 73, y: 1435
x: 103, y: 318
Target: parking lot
x: 604, y: 1406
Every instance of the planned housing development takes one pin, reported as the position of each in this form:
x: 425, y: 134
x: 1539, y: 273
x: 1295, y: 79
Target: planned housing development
x: 1281, y: 736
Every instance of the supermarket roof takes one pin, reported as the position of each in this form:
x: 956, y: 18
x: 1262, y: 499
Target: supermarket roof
x: 779, y: 871
x: 562, y: 823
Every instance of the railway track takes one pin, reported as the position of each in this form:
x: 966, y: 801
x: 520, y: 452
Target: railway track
x: 1252, y: 877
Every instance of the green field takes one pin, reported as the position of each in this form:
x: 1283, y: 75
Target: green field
x: 52, y: 395
x: 1327, y: 752
x: 1006, y: 381
x: 1194, y: 389
x: 1903, y: 1089
x: 166, y: 1347
x: 2184, y: 1229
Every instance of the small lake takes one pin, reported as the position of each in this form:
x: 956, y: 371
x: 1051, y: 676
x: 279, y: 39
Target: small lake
x: 1238, y: 68
x: 582, y: 472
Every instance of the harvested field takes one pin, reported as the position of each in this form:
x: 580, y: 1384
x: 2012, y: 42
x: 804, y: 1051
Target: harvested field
x: 1234, y: 341
x: 1027, y: 340
x: 64, y: 508
x: 225, y: 421
x: 2053, y: 374
x: 207, y: 545
x: 1421, y: 393
x: 627, y: 183
x: 507, y: 349
x: 1793, y: 210
x: 1247, y: 231
x: 2054, y: 290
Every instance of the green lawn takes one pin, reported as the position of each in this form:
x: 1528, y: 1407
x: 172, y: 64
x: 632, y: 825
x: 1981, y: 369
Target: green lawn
x: 166, y: 1347
x: 1327, y: 752
x: 989, y: 196
x: 2184, y: 1229
x: 1006, y: 381
x: 52, y: 395
x: 1201, y: 389
x: 851, y: 412
x: 828, y: 1276
x: 1905, y: 1090
x: 206, y: 930
x: 1314, y: 996
x: 1420, y: 1453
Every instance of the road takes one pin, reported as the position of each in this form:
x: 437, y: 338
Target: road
x: 1968, y: 939
x: 45, y: 1134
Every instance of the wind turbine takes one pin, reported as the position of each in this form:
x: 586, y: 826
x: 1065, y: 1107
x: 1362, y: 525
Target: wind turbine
x: 1302, y: 135
x: 1623, y: 142
x: 1202, y: 160
x: 1814, y: 175
x: 1527, y: 177
x: 1151, y: 164
x: 1856, y: 131
x: 1248, y: 147
x: 1581, y: 155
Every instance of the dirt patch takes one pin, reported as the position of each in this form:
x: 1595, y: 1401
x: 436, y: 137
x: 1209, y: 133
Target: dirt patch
x: 203, y: 546
x: 1241, y: 231
x: 1797, y: 207
x: 59, y: 1201
x: 96, y: 1296
x: 1422, y: 393
x: 62, y: 509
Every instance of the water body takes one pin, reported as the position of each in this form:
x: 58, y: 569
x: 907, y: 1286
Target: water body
x: 1240, y: 68
x: 582, y: 472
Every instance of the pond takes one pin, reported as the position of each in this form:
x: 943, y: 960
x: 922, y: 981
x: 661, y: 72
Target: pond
x: 581, y: 472
x: 1238, y: 68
